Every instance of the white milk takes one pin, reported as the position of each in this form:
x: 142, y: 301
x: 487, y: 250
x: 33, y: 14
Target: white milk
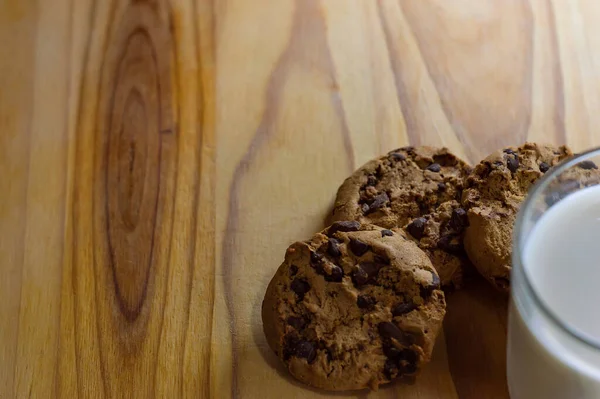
x: 562, y: 259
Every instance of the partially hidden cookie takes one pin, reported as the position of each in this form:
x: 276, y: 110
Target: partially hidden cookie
x: 356, y: 306
x: 408, y: 186
x: 494, y: 193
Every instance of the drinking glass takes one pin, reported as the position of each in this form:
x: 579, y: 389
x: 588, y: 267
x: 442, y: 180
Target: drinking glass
x: 553, y: 346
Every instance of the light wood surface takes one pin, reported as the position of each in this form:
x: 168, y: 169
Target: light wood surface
x: 157, y: 157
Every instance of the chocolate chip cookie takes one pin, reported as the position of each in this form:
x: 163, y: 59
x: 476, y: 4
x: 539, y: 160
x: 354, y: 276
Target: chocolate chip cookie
x: 405, y: 188
x: 493, y: 196
x: 356, y: 306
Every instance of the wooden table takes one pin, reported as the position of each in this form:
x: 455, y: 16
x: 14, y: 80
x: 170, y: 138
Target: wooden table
x: 157, y: 157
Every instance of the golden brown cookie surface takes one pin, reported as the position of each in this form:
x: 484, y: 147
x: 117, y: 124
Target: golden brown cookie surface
x: 354, y: 307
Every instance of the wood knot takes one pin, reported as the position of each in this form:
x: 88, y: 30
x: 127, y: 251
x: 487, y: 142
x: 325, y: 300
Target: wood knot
x: 137, y: 101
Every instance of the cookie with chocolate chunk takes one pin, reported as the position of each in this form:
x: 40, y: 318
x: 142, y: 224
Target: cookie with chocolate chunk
x: 355, y: 306
x: 493, y: 195
x: 405, y: 189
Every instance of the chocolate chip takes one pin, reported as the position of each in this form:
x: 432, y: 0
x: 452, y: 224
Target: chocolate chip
x: 450, y: 244
x: 293, y: 270
x: 434, y: 167
x: 390, y: 369
x: 290, y: 341
x: 386, y: 232
x: 552, y: 198
x: 297, y: 322
x: 380, y: 261
x: 442, y: 186
x: 435, y: 284
x: 300, y: 287
x: 406, y: 360
x: 403, y: 308
x: 365, y: 301
x: 401, y: 361
x: 417, y: 228
x: 512, y: 164
x: 408, y: 148
x: 371, y: 268
x: 305, y: 350
x: 336, y: 276
x: 544, y: 167
x: 365, y: 273
x: 391, y: 352
x: 459, y: 219
x: 408, y: 356
x: 587, y: 165
x: 566, y: 187
x: 360, y: 277
x: 390, y: 330
x: 364, y: 208
x: 378, y: 202
x: 358, y: 247
x: 371, y: 180
x: 397, y: 156
x: 509, y: 151
x: 408, y: 368
x: 333, y: 248
x: 315, y: 257
x: 344, y: 226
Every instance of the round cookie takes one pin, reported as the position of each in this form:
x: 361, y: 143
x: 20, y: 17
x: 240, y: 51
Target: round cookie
x: 408, y: 186
x: 493, y: 195
x: 440, y: 235
x: 404, y: 184
x: 354, y: 307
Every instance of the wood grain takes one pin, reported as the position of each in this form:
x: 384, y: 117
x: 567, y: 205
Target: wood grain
x: 158, y: 156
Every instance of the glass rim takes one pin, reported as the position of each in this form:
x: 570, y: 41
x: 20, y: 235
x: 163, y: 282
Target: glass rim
x: 524, y: 214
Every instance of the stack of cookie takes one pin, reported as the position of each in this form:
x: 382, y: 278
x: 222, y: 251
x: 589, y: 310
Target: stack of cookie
x: 361, y: 303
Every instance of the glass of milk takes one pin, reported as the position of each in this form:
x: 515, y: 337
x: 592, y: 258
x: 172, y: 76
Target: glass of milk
x: 554, y: 320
